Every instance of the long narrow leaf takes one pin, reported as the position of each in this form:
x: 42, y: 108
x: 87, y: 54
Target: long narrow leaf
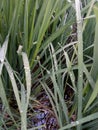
x: 13, y: 81
x: 3, y: 51
x: 81, y: 121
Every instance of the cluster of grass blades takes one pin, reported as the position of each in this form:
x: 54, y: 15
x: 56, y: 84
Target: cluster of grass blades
x: 50, y: 46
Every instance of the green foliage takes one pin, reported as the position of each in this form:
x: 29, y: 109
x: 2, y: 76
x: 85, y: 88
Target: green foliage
x: 51, y: 46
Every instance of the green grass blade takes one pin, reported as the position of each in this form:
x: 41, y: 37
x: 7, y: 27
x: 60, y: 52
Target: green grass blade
x: 69, y: 67
x: 88, y: 75
x: 80, y: 58
x: 26, y: 26
x: 81, y: 121
x: 89, y: 12
x: 93, y: 96
x: 51, y: 97
x: 4, y: 99
x: 27, y: 75
x: 3, y: 51
x: 34, y: 11
x: 14, y: 85
x: 46, y: 20
x: 23, y: 109
x: 94, y: 71
x: 57, y: 33
x: 61, y: 12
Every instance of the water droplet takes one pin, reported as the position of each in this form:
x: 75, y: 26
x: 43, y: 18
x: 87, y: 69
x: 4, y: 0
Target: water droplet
x: 21, y: 111
x: 80, y: 75
x: 71, y: 26
x: 48, y: 72
x: 79, y: 31
x: 38, y: 57
x: 71, y: 75
x: 27, y: 68
x: 73, y: 80
x: 77, y: 122
x: 73, y: 123
x: 34, y: 42
x: 12, y: 77
x: 1, y: 60
x: 79, y: 21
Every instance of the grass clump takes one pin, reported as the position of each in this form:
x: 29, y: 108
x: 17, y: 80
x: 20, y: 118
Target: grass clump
x: 48, y: 49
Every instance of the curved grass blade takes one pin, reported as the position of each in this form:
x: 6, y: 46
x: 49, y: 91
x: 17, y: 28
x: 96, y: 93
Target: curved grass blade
x: 81, y: 121
x: 93, y: 96
x: 4, y: 99
x: 94, y: 71
x: 46, y: 20
x: 13, y: 81
x: 90, y: 79
x: 36, y: 128
x: 3, y: 51
x: 27, y: 75
x: 25, y: 95
x: 89, y: 12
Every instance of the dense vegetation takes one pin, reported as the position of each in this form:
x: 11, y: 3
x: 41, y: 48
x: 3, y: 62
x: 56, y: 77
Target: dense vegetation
x: 49, y: 48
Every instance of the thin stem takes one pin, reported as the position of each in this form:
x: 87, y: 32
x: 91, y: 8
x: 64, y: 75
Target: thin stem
x: 80, y: 59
